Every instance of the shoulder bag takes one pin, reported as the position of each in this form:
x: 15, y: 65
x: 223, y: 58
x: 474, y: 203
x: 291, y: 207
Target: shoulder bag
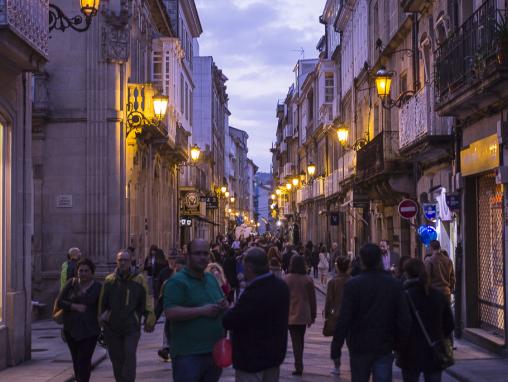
x: 442, y: 349
x: 58, y: 313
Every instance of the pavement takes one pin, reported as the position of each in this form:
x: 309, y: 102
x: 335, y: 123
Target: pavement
x: 51, y: 360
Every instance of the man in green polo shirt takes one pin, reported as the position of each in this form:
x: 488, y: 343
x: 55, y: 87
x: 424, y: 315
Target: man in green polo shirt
x: 194, y: 303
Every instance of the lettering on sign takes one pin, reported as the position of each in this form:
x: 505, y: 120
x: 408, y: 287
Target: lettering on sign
x: 64, y: 201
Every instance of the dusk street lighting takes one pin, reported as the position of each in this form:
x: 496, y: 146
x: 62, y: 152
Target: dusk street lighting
x: 195, y: 153
x: 311, y: 169
x: 58, y: 20
x: 383, y: 80
x: 295, y: 181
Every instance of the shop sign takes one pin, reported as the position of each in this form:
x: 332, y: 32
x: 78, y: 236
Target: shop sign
x: 430, y: 211
x: 212, y: 202
x: 334, y: 218
x: 191, y: 204
x: 453, y: 202
x: 408, y: 209
x: 480, y: 156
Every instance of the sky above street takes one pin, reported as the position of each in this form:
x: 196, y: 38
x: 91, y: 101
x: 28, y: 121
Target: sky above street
x: 257, y: 44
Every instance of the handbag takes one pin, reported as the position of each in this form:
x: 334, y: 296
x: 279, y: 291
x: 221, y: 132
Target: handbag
x: 58, y: 313
x: 223, y: 353
x: 329, y: 326
x: 442, y: 350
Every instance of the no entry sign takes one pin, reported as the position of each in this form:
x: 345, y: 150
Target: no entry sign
x: 408, y: 209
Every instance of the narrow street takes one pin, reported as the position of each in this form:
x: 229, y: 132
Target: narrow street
x: 316, y: 359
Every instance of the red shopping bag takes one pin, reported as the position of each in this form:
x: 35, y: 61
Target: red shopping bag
x: 223, y: 353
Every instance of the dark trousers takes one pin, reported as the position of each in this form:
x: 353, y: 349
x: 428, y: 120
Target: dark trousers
x: 414, y: 376
x: 81, y: 353
x: 316, y: 271
x: 363, y: 365
x: 195, y: 368
x: 297, y: 333
x: 122, y: 352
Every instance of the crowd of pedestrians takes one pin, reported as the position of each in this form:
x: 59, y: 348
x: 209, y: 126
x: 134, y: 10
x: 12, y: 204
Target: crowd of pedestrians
x: 260, y: 292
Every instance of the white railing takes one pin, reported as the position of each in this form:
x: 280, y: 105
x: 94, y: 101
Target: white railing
x: 417, y: 119
x: 318, y: 187
x: 346, y: 165
x: 332, y: 183
x: 29, y: 19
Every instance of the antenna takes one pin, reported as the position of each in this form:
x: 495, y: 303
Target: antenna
x: 301, y: 51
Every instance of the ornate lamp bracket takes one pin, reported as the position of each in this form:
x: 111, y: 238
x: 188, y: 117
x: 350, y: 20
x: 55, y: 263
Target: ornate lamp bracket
x: 58, y: 20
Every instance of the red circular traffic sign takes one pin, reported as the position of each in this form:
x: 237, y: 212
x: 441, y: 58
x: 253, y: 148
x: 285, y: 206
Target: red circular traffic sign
x: 408, y: 209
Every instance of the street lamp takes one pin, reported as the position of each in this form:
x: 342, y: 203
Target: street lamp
x: 58, y: 20
x: 383, y: 79
x: 343, y: 134
x: 311, y: 169
x: 160, y: 105
x: 223, y: 189
x: 289, y: 186
x: 226, y: 194
x: 232, y: 199
x: 137, y: 119
x: 195, y: 153
x: 273, y: 196
x: 295, y: 182
x: 278, y: 191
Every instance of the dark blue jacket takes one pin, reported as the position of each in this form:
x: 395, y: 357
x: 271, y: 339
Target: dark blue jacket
x: 259, y: 325
x: 374, y: 317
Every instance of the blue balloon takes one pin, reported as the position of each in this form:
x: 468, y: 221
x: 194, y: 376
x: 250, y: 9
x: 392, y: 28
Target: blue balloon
x: 427, y: 233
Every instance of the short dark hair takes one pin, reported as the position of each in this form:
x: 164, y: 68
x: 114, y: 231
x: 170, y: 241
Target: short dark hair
x: 343, y: 263
x: 297, y: 265
x: 89, y: 263
x: 435, y: 245
x: 370, y: 254
x: 258, y: 259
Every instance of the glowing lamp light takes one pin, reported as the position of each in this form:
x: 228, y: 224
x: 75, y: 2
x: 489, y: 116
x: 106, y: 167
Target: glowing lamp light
x: 273, y: 196
x: 257, y: 224
x: 289, y: 186
x: 311, y: 169
x: 279, y: 223
x: 342, y: 134
x: 230, y: 210
x: 195, y: 153
x: 89, y: 7
x: 295, y: 181
x: 226, y: 194
x: 232, y: 199
x: 278, y: 191
x: 383, y: 83
x: 237, y: 214
x: 160, y: 105
x: 223, y: 189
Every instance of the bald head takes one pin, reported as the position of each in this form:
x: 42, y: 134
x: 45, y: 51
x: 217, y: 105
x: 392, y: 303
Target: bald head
x: 198, y: 256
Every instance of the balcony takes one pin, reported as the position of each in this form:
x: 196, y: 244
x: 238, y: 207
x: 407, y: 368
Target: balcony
x: 287, y: 210
x: 318, y: 188
x: 325, y: 114
x: 469, y: 75
x: 26, y: 21
x: 288, y: 170
x: 378, y: 157
x: 419, y: 123
x: 410, y: 6
x: 288, y: 131
x: 332, y: 184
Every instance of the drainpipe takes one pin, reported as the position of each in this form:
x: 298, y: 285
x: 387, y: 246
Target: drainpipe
x: 416, y: 53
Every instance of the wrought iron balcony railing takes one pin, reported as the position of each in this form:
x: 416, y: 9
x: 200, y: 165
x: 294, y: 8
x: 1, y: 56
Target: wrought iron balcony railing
x: 375, y: 157
x: 468, y: 54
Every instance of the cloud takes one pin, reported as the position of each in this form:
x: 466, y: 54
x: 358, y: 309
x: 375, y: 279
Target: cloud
x: 256, y: 43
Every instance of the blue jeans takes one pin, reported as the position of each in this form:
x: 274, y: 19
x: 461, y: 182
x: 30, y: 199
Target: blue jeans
x: 414, y: 376
x: 195, y: 368
x: 363, y: 365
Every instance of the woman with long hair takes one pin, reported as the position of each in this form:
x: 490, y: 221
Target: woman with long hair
x: 216, y: 270
x: 432, y: 321
x: 302, y: 307
x: 79, y: 301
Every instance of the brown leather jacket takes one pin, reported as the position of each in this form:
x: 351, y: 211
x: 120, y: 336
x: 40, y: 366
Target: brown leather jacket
x: 334, y: 292
x: 441, y: 274
x: 302, y: 304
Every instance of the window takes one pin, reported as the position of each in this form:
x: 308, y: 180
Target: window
x: 186, y: 101
x: 310, y: 106
x: 329, y: 87
x: 182, y: 89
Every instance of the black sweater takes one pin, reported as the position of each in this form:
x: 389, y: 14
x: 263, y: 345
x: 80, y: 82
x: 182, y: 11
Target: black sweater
x: 80, y: 325
x: 374, y: 315
x: 259, y: 325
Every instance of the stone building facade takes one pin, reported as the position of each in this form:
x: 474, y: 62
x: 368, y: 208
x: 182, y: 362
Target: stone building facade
x: 23, y: 51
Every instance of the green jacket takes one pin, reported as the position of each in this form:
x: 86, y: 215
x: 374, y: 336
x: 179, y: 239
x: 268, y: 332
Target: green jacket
x: 127, y: 299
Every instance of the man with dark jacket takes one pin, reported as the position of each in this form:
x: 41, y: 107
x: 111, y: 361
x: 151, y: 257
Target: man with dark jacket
x: 123, y: 302
x: 374, y: 319
x: 259, y: 322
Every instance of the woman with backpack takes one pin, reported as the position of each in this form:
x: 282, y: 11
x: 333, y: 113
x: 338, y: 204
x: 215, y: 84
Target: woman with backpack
x: 429, y: 349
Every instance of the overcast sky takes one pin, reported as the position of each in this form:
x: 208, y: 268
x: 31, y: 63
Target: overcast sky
x: 256, y: 43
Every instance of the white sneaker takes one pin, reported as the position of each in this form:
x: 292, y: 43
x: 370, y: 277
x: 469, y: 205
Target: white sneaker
x: 335, y: 371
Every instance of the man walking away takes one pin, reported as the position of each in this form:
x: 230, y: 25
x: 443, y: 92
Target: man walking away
x: 259, y: 322
x: 123, y: 302
x: 194, y: 303
x: 439, y: 267
x: 374, y: 318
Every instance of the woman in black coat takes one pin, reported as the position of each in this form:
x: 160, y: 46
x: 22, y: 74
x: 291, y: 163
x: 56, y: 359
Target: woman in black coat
x: 79, y: 300
x: 435, y: 311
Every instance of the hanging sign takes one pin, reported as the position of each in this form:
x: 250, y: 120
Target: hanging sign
x: 430, y: 211
x: 334, y: 218
x: 408, y: 209
x: 453, y: 202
